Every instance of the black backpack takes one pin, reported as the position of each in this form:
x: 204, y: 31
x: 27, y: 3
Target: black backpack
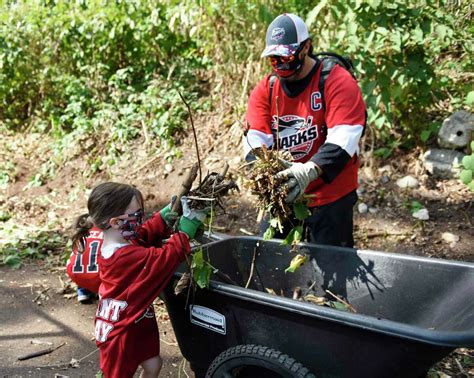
x: 328, y: 60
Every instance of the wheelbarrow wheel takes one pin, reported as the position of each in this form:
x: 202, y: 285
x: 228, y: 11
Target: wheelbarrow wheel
x: 255, y: 361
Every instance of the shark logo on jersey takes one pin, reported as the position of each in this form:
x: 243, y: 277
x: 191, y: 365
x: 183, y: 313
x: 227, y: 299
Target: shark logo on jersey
x: 296, y: 134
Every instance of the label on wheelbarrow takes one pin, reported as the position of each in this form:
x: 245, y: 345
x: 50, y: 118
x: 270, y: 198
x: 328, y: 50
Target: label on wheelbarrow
x: 207, y: 318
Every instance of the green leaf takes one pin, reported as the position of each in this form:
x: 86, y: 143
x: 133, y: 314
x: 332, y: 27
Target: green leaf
x: 469, y: 98
x: 415, y: 206
x: 201, y: 270
x: 313, y: 13
x: 294, y: 236
x: 466, y: 176
x: 417, y: 35
x: 274, y: 222
x: 13, y: 261
x: 269, y: 233
x: 290, y: 237
x: 4, y: 216
x: 338, y: 305
x: 468, y: 162
x: 441, y: 31
x: 298, y: 235
x: 425, y: 134
x: 471, y: 186
x: 301, y: 211
x: 383, y: 152
x: 198, y: 259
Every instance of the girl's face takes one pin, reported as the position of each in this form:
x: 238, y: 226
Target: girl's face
x: 129, y: 223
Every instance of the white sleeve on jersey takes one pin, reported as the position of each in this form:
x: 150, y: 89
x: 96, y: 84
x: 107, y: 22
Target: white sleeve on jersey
x: 255, y: 139
x: 345, y: 136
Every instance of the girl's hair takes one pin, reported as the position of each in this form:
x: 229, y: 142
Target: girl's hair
x: 106, y: 201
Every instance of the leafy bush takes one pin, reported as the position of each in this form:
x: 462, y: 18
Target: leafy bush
x: 111, y: 71
x: 90, y: 67
x: 410, y: 56
x: 21, y: 243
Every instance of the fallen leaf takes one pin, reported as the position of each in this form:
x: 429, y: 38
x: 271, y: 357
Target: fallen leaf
x: 295, y: 263
x: 314, y: 299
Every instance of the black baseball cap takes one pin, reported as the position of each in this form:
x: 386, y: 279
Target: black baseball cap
x: 284, y: 35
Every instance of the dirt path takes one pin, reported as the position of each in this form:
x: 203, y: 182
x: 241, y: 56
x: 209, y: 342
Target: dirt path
x: 35, y: 315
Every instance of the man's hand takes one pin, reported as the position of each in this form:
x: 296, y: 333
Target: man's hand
x: 297, y: 178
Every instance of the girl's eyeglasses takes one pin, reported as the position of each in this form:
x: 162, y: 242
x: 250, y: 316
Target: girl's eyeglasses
x: 137, y: 215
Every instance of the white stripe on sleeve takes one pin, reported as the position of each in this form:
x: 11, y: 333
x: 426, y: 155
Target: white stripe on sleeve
x: 346, y: 136
x: 256, y: 139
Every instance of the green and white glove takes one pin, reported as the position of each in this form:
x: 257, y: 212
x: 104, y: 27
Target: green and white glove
x: 297, y: 177
x: 191, y: 219
x: 169, y: 216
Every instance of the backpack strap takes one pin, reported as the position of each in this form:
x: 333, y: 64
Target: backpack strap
x: 328, y: 61
x: 327, y: 66
x: 271, y: 83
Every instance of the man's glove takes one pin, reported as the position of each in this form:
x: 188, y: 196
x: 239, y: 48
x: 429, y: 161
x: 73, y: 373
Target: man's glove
x: 191, y: 219
x: 169, y: 216
x: 297, y: 178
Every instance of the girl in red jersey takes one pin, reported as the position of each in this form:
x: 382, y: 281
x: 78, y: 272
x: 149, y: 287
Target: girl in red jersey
x: 135, y: 265
x: 82, y: 267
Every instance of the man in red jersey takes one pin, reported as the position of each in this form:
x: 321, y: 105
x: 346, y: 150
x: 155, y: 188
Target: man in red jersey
x: 321, y: 134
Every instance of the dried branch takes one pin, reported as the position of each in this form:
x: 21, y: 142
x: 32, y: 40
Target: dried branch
x: 40, y: 353
x: 194, y: 134
x: 252, y: 267
x: 342, y: 301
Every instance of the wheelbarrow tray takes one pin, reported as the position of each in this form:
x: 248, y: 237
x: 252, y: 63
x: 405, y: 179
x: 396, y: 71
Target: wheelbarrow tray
x: 411, y: 311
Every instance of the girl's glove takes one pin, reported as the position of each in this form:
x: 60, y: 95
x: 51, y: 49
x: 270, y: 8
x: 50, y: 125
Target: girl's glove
x: 169, y: 216
x: 297, y: 177
x: 191, y: 219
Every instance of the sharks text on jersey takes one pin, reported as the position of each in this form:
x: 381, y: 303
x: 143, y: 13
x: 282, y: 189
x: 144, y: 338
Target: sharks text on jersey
x: 295, y: 134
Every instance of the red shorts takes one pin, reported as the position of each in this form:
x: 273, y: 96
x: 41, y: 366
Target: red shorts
x: 121, y: 356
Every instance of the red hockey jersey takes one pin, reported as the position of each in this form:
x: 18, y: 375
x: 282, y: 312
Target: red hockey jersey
x: 83, y: 268
x: 134, y: 276
x: 302, y: 126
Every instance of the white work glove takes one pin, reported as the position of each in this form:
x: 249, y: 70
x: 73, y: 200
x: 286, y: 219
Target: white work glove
x: 192, y: 214
x: 297, y: 176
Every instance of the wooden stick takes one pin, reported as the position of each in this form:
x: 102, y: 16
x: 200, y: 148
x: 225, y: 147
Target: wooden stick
x: 252, y: 267
x: 201, y: 199
x: 39, y: 353
x: 384, y: 233
x: 194, y: 134
x: 222, y: 175
x: 185, y: 188
x: 342, y: 301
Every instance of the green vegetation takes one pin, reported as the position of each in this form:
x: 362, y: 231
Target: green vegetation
x: 112, y: 70
x: 467, y: 173
x: 20, y: 243
x: 94, y: 75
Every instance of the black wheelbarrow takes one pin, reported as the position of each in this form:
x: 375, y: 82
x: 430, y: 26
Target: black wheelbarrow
x: 410, y: 312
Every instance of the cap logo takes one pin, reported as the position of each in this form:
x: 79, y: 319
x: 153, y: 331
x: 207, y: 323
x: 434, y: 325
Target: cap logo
x: 277, y: 34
